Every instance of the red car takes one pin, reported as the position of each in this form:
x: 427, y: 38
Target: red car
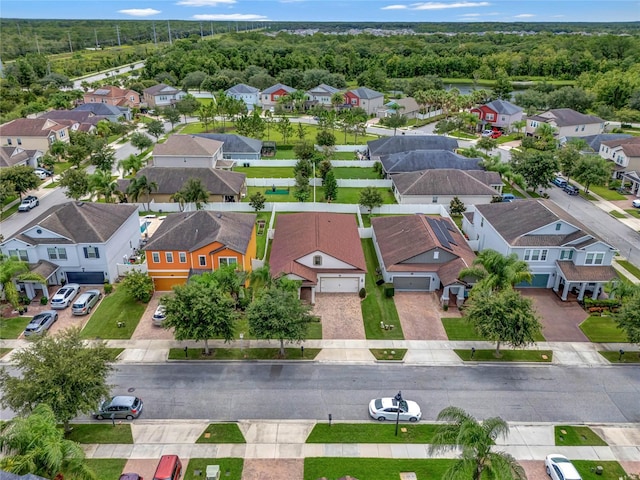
x: 496, y: 134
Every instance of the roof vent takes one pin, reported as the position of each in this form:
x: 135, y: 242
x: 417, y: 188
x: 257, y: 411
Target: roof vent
x: 219, y: 215
x: 80, y: 204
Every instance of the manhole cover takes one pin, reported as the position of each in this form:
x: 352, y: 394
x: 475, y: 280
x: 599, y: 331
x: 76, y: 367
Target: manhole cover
x: 131, y: 390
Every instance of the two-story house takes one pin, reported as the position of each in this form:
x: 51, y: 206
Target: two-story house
x: 321, y: 95
x: 625, y: 154
x: 566, y: 122
x: 76, y: 242
x: 561, y: 252
x: 369, y: 100
x: 111, y: 95
x: 33, y: 133
x: 162, y: 95
x: 407, y: 107
x: 498, y: 113
x: 246, y: 93
x: 77, y: 121
x: 190, y: 243
x: 269, y: 97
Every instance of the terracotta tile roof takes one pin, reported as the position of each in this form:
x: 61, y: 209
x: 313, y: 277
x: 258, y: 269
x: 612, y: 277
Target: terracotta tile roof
x: 29, y: 127
x: 188, y: 146
x: 171, y: 179
x: 300, y: 234
x: 587, y: 273
x: 190, y: 231
x: 442, y: 182
x: 80, y: 222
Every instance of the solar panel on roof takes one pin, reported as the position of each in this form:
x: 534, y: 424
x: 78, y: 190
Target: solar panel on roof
x: 101, y: 91
x: 435, y: 226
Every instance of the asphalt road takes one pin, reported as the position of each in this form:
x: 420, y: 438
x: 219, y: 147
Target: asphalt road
x: 233, y: 391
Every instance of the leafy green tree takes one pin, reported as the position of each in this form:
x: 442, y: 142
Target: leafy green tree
x: 76, y: 154
x: 193, y: 80
x: 103, y: 128
x: 568, y: 157
x: 10, y: 269
x: 476, y: 440
x: 395, y: 121
x: 303, y: 167
x: 305, y: 152
x: 283, y: 126
x: 325, y: 138
x: 330, y: 187
x: 257, y: 201
x: 279, y: 314
x: 71, y: 383
x: 497, y: 271
x: 142, y: 186
x: 76, y: 182
x: 301, y: 132
x: 446, y: 126
x: 592, y: 170
x: 370, y: 198
x: 130, y: 165
x: 138, y: 286
x: 457, y: 207
x: 628, y: 317
x: 156, y: 128
x: 193, y: 191
x: 187, y: 106
x: 7, y: 191
x: 141, y: 141
x: 571, y: 97
x: 487, y: 144
x: 199, y: 311
x: 324, y: 168
x: 302, y: 191
x: 58, y: 149
x: 35, y: 445
x: 503, y: 87
x: 22, y: 178
x: 502, y: 316
x: 104, y: 158
x: 171, y: 115
x: 536, y: 167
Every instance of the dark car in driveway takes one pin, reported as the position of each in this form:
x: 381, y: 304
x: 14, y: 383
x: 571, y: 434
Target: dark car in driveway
x: 571, y: 189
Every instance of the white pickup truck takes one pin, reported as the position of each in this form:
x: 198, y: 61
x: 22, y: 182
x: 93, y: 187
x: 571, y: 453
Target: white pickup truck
x: 28, y: 203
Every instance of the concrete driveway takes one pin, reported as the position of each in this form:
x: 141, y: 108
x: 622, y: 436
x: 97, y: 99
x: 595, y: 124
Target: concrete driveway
x: 420, y: 315
x: 560, y: 320
x: 341, y: 316
x: 146, y: 330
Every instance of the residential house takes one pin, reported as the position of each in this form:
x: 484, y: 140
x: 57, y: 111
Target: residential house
x: 369, y: 100
x: 76, y: 120
x: 236, y: 147
x: 625, y: 154
x: 321, y: 95
x: 321, y: 249
x: 248, y: 94
x: 472, y: 187
x: 422, y: 253
x: 408, y: 143
x: 407, y: 106
x: 190, y: 243
x: 561, y: 252
x: 16, y: 156
x: 116, y: 96
x: 33, y: 133
x: 107, y: 112
x: 222, y: 185
x: 188, y: 151
x: 418, y: 160
x: 594, y: 141
x: 567, y: 123
x: 499, y: 114
x: 270, y: 96
x: 76, y: 242
x: 162, y: 95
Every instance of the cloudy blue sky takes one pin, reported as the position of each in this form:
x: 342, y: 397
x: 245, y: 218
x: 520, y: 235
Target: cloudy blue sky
x: 330, y: 10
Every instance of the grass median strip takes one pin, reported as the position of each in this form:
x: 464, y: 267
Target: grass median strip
x: 587, y: 469
x: 544, y: 356
x: 388, y: 354
x: 378, y: 432
x: 577, y: 436
x: 630, y: 267
x: 373, y: 468
x: 462, y: 330
x: 615, y: 356
x: 4, y: 351
x: 101, y: 433
x: 243, y: 354
x: 222, y: 433
x: 602, y: 330
x: 114, y: 352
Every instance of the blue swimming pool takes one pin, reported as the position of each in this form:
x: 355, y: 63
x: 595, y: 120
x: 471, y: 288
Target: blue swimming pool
x: 144, y: 225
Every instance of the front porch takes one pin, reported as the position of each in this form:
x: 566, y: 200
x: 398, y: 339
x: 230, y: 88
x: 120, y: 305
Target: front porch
x: 581, y: 280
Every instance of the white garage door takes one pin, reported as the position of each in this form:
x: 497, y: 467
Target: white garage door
x: 339, y: 285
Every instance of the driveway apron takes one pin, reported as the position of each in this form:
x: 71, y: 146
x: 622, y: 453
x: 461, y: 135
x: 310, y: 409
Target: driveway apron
x: 341, y: 316
x: 420, y: 315
x: 560, y: 320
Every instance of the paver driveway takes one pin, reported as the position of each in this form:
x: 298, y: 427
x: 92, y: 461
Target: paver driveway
x: 341, y: 316
x: 420, y: 315
x: 146, y: 330
x: 560, y: 320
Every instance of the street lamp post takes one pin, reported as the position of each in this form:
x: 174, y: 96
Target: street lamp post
x: 314, y: 182
x: 398, y: 398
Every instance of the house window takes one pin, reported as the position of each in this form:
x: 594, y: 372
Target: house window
x: 169, y: 257
x: 91, y: 252
x: 226, y: 261
x: 434, y: 199
x: 582, y: 128
x: 156, y: 257
x: 57, y: 253
x: 317, y: 260
x: 534, y: 124
x: 594, y: 258
x: 182, y: 257
x: 436, y: 255
x: 490, y: 116
x: 202, y: 260
x: 481, y: 222
x: 21, y: 255
x: 577, y: 128
x: 535, y: 255
x: 8, y: 141
x: 566, y: 255
x: 558, y: 226
x: 19, y: 141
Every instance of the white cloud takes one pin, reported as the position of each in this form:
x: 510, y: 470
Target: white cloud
x: 436, y: 5
x: 394, y: 7
x: 140, y: 12
x: 232, y: 17
x: 205, y: 3
x: 524, y: 15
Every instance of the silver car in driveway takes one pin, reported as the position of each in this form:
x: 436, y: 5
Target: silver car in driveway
x: 41, y: 323
x: 382, y: 409
x: 85, y: 302
x: 64, y: 296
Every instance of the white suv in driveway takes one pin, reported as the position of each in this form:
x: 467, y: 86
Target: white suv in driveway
x: 64, y: 296
x: 636, y: 203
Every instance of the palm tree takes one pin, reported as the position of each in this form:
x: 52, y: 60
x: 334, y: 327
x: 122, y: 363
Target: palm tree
x: 10, y: 268
x: 497, y: 271
x: 259, y: 279
x: 194, y: 192
x: 142, y: 186
x: 337, y: 99
x: 36, y: 445
x: 101, y: 183
x: 130, y: 165
x: 179, y: 197
x: 475, y: 439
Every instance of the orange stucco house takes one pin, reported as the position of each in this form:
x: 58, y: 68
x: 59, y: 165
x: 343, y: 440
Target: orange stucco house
x: 190, y: 243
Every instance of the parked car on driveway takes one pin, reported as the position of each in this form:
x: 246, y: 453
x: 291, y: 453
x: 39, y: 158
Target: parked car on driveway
x: 496, y: 134
x: 28, y: 203
x: 508, y: 197
x: 560, y: 467
x: 559, y: 182
x: 85, y: 302
x: 41, y: 323
x: 120, y: 406
x: 64, y: 296
x: 159, y: 316
x: 487, y: 133
x: 44, y: 171
x: 383, y: 409
x: 571, y: 189
x: 636, y: 203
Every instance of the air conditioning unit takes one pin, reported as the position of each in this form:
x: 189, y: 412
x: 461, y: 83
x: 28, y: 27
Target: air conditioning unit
x: 242, y: 195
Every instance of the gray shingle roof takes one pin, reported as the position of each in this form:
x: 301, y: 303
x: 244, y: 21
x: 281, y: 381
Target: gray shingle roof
x: 10, y: 156
x: 323, y: 88
x: 188, y: 146
x: 156, y: 89
x: 426, y: 160
x: 14, y: 476
x: 442, y: 182
x: 630, y: 146
x: 366, y: 93
x: 81, y: 222
x: 504, y: 107
x: 189, y: 231
x: 100, y: 109
x: 278, y: 86
x: 30, y: 127
x: 76, y: 115
x: 594, y: 141
x: 171, y: 179
x: 240, y: 89
x: 235, y: 143
x: 408, y: 143
x: 565, y: 117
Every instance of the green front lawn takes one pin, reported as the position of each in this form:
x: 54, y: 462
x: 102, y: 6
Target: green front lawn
x: 611, y: 470
x: 345, y: 195
x: 605, y: 193
x: 376, y: 307
x: 544, y: 356
x: 101, y: 433
x: 230, y: 468
x: 222, y: 433
x: 570, y: 436
x: 114, y: 352
x: 114, y: 308
x: 261, y: 240
x: 614, y: 356
x: 602, y: 330
x: 634, y: 212
x: 11, y: 328
x: 375, y: 432
x: 106, y: 468
x: 266, y: 172
x: 353, y: 173
x: 373, y: 468
x: 461, y: 329
x: 630, y: 267
x: 4, y: 351
x: 243, y: 354
x: 395, y: 354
